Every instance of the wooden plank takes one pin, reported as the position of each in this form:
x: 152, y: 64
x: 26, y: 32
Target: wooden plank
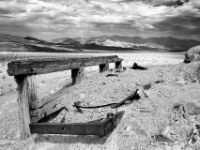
x: 47, y: 65
x: 49, y: 98
x: 63, y: 128
x: 26, y: 94
x: 48, y: 112
x: 77, y: 74
x: 59, y: 117
x: 45, y: 108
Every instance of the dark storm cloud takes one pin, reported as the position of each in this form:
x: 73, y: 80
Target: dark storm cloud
x: 185, y: 24
x: 98, y: 17
x: 4, y: 11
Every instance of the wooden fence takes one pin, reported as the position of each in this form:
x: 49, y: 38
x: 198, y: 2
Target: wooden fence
x: 31, y: 108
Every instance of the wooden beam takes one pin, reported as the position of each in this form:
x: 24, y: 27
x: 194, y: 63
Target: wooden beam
x: 60, y: 117
x: 77, y: 74
x: 26, y: 94
x: 46, y: 113
x: 47, y: 65
x: 73, y: 129
x: 118, y: 65
x: 103, y: 67
x: 49, y: 98
x: 57, y: 117
x: 45, y: 108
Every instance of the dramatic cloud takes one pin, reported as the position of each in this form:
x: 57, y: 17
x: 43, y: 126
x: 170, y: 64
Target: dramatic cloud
x: 49, y: 19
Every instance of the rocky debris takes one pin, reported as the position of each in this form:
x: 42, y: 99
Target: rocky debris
x: 146, y: 93
x: 187, y: 61
x: 82, y: 96
x: 179, y: 113
x: 159, y: 81
x: 111, y: 70
x: 193, y: 54
x: 162, y: 138
x: 1, y: 94
x: 121, y: 70
x: 52, y: 91
x: 192, y: 109
x: 144, y: 110
x: 128, y: 128
x: 165, y: 131
x: 147, y: 86
x: 191, y: 73
x: 112, y: 75
x: 195, y: 134
x: 136, y: 66
x: 137, y: 124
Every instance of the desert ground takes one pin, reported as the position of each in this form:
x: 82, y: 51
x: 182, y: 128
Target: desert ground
x: 166, y: 116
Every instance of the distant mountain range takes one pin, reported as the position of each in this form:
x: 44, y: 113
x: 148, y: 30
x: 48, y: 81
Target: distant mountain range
x: 110, y: 43
x: 159, y: 43
x: 10, y: 43
x: 122, y: 44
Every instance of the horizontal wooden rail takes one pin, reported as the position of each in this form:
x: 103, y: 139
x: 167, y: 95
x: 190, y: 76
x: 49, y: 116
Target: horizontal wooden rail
x: 47, y: 65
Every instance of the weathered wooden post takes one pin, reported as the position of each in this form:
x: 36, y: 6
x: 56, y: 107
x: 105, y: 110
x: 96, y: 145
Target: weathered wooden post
x: 118, y: 64
x: 77, y: 74
x: 103, y: 67
x: 26, y: 93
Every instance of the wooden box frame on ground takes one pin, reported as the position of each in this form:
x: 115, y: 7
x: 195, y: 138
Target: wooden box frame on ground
x: 31, y: 108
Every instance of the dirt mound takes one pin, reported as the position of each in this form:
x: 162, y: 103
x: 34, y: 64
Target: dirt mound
x: 191, y: 73
x: 193, y: 54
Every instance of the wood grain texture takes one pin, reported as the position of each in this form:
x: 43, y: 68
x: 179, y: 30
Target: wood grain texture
x: 52, y: 97
x: 45, y: 108
x: 47, y: 112
x: 26, y: 94
x: 47, y: 65
x: 77, y: 75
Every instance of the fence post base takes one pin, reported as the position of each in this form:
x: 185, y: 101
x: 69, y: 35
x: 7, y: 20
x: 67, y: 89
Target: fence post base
x: 26, y: 94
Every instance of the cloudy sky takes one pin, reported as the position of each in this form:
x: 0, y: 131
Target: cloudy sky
x: 48, y: 19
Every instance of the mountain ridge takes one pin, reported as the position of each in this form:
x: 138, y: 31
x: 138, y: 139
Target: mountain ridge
x: 168, y: 42
x: 12, y: 43
x: 116, y: 42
